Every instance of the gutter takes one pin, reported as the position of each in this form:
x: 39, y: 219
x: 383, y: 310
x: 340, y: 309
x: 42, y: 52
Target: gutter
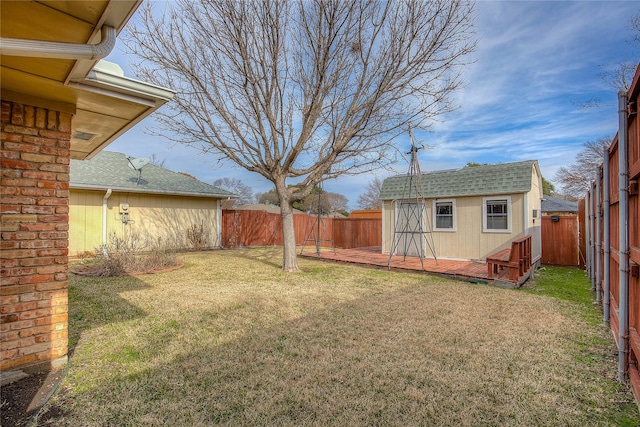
x: 59, y: 50
x: 104, y: 222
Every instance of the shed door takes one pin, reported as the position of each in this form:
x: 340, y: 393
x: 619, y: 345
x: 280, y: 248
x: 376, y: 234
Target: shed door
x: 409, y: 233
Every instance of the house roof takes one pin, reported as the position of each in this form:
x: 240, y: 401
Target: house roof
x: 43, y: 64
x: 554, y: 204
x: 503, y: 178
x: 108, y: 169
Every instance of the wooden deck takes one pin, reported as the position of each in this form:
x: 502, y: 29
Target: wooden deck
x: 472, y: 271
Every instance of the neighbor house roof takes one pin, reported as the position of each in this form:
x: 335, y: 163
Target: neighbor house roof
x: 262, y: 207
x: 110, y: 170
x: 503, y: 178
x: 554, y: 204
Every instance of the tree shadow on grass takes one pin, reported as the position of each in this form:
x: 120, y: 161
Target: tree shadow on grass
x: 96, y: 301
x: 89, y: 307
x: 396, y: 358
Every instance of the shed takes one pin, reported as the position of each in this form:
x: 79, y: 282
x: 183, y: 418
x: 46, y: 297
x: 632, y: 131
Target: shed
x: 471, y: 212
x: 110, y: 199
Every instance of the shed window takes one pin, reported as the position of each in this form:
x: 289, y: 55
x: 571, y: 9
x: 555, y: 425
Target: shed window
x: 496, y: 214
x: 444, y: 211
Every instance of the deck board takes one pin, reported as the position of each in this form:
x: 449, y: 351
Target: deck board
x: 373, y: 257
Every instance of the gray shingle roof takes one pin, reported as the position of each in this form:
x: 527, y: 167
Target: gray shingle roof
x: 503, y: 178
x: 553, y: 204
x: 111, y: 170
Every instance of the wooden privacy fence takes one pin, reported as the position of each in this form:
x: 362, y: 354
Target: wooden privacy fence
x: 613, y: 236
x: 260, y: 228
x: 560, y: 240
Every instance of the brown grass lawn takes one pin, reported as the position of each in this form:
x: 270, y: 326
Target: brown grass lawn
x: 230, y: 339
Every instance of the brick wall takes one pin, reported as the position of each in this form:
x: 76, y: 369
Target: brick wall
x: 34, y: 213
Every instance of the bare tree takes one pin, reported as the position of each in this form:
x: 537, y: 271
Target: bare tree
x: 304, y: 90
x: 155, y: 160
x: 574, y: 180
x: 236, y: 186
x: 370, y: 199
x: 338, y: 202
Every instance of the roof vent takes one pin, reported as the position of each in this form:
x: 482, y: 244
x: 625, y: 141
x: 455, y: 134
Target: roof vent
x: 85, y: 136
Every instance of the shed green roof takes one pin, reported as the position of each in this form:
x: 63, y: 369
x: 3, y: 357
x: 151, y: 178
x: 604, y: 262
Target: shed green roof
x: 112, y: 170
x: 484, y: 180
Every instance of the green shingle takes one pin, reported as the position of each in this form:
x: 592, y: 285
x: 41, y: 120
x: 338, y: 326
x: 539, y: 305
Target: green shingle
x: 503, y: 178
x: 111, y: 170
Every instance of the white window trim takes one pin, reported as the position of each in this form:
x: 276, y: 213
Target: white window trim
x: 484, y: 214
x: 435, y: 212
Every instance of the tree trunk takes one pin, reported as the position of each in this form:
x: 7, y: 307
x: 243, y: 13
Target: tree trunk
x: 289, y: 256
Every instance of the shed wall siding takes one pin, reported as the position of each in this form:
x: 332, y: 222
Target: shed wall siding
x: 468, y: 241
x: 152, y: 217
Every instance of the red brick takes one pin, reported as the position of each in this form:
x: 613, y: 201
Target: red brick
x: 9, y: 244
x: 48, y: 269
x: 62, y: 227
x: 53, y: 218
x: 19, y: 235
x: 16, y: 164
x: 58, y: 185
x: 36, y: 261
x: 18, y: 253
x: 56, y: 151
x: 19, y: 200
x: 61, y: 277
x: 18, y: 146
x: 52, y: 252
x: 9, y: 281
x: 20, y: 129
x: 36, y: 244
x: 13, y: 137
x: 37, y: 227
x: 19, y: 182
x: 22, y: 324
x: 13, y: 272
x: 52, y: 120
x: 41, y: 115
x: 54, y: 235
x: 39, y: 141
x: 8, y: 263
x: 62, y: 210
x: 10, y: 209
x: 53, y: 201
x: 11, y: 173
x: 36, y: 279
x: 47, y: 176
x: 9, y: 191
x: 17, y: 114
x: 38, y: 192
x: 49, y: 286
x: 40, y: 210
x: 55, y: 135
x: 55, y: 168
x: 15, y: 361
x: 29, y: 116
x: 64, y: 122
x: 5, y: 111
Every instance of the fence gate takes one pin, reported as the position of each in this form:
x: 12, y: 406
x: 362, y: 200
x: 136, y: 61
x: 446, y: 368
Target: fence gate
x: 560, y: 240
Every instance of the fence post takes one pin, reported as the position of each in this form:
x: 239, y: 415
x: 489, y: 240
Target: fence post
x: 607, y: 238
x: 623, y: 247
x: 598, y: 246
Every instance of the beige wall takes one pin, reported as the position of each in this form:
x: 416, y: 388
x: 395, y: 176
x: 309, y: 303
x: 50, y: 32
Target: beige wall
x: 469, y: 241
x: 151, y: 217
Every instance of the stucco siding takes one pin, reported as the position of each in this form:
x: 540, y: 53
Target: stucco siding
x: 152, y: 219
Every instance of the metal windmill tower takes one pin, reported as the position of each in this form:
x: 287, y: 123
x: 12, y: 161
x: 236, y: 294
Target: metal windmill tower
x: 412, y: 231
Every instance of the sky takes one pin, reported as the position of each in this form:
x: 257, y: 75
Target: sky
x: 536, y: 68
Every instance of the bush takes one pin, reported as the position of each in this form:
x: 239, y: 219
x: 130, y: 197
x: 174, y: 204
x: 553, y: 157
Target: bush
x: 197, y: 237
x: 130, y: 254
